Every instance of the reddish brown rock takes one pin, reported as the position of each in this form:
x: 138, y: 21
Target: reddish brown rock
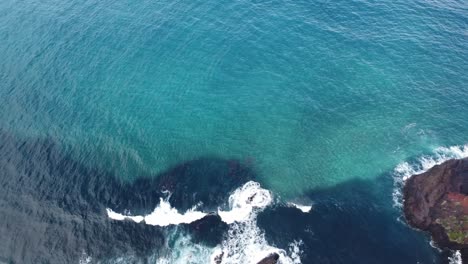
x: 437, y: 201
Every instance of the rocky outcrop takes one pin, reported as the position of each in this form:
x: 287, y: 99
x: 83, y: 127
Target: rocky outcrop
x: 270, y: 259
x: 208, y: 230
x: 437, y: 201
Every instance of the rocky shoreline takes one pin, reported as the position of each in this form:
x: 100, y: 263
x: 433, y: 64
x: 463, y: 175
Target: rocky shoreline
x: 436, y: 201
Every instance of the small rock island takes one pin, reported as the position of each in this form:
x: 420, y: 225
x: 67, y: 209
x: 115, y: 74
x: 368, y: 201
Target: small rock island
x: 436, y: 201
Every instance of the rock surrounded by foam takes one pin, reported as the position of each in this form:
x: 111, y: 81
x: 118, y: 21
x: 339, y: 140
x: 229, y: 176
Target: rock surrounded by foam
x: 163, y: 215
x: 47, y: 190
x: 437, y: 201
x: 244, y: 201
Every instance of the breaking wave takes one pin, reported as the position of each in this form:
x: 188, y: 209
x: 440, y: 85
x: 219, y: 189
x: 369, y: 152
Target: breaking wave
x: 455, y: 258
x: 303, y: 208
x: 405, y: 170
x: 163, y: 215
x: 244, y: 202
x: 244, y: 242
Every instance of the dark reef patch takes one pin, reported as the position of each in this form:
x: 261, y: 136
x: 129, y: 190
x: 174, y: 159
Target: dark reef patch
x: 349, y: 223
x: 52, y: 208
x: 208, y: 230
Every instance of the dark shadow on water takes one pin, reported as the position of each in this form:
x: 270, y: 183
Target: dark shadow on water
x: 353, y: 222
x: 52, y: 209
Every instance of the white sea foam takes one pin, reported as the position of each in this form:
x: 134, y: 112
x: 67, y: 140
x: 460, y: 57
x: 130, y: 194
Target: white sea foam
x: 85, y: 258
x: 244, y: 242
x: 244, y: 201
x: 163, y: 215
x: 295, y: 251
x: 405, y: 170
x: 183, y: 251
x: 455, y: 258
x: 303, y: 208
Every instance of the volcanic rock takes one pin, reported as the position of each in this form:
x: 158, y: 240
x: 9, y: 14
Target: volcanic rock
x: 437, y: 201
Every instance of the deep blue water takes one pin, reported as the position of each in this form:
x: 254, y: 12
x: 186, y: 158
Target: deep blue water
x: 106, y: 104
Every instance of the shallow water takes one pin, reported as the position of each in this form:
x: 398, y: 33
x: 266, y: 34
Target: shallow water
x: 318, y: 101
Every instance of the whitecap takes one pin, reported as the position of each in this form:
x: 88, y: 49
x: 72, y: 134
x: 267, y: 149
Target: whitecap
x: 455, y: 258
x: 120, y: 217
x: 165, y: 215
x: 303, y: 208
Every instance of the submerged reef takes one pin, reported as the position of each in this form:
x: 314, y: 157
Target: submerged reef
x: 53, y: 208
x: 437, y: 201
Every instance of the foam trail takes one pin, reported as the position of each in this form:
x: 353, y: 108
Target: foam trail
x: 163, y: 215
x: 183, y: 251
x: 405, y: 170
x: 455, y: 258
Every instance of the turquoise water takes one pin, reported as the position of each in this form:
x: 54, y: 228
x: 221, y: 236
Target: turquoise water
x: 313, y: 94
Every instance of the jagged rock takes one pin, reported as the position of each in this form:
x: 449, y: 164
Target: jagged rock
x: 270, y: 259
x: 437, y: 201
x: 209, y: 229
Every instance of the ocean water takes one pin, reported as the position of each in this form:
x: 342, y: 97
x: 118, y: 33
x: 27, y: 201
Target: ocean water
x: 122, y: 123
